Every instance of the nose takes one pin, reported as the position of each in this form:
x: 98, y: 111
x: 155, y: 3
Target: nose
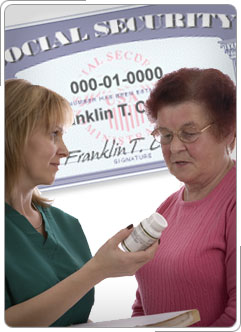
x: 177, y: 145
x: 62, y: 149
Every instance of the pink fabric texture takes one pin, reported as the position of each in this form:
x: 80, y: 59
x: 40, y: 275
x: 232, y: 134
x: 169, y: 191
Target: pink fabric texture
x: 195, y: 265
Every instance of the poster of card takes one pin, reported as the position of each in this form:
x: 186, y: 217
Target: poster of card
x: 105, y: 64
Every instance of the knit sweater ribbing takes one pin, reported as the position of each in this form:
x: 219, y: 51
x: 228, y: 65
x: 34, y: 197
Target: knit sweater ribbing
x: 195, y: 266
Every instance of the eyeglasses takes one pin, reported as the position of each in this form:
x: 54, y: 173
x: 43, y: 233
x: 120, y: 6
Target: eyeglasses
x: 187, y: 135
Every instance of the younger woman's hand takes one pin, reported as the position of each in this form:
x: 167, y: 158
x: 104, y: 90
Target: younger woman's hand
x: 113, y: 262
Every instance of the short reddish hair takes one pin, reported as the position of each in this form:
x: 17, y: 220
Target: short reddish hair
x: 206, y: 86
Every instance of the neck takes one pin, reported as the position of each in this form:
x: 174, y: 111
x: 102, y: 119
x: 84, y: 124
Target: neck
x: 20, y: 200
x: 195, y: 192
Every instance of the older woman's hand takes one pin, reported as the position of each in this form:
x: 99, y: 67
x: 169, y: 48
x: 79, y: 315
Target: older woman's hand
x: 113, y: 262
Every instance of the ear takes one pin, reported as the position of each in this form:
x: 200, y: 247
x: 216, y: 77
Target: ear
x: 231, y: 140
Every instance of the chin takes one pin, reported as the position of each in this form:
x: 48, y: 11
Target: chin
x: 181, y: 177
x: 48, y: 182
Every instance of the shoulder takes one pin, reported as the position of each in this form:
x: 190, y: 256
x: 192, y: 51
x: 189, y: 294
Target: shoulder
x: 59, y: 215
x: 58, y: 212
x: 62, y: 222
x: 226, y: 190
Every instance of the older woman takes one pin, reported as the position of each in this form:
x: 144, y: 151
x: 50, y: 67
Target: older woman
x: 195, y: 265
x: 50, y: 273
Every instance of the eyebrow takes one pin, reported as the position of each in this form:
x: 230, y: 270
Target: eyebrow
x: 191, y: 123
x: 187, y: 124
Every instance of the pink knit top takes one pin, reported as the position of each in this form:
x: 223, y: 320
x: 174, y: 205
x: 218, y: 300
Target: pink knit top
x: 195, y: 265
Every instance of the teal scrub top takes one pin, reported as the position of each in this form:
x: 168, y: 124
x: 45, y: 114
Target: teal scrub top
x: 33, y: 264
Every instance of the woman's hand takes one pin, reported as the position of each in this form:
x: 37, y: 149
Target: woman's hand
x: 111, y: 261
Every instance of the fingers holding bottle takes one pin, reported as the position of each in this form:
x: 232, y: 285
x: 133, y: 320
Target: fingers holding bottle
x: 114, y: 262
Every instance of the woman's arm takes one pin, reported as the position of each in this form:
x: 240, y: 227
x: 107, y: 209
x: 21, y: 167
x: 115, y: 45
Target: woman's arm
x: 110, y: 261
x: 137, y: 309
x: 228, y: 317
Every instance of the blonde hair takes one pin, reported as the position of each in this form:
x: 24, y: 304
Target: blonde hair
x: 26, y: 107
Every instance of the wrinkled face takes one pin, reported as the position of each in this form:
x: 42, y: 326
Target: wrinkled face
x: 42, y: 156
x: 196, y: 162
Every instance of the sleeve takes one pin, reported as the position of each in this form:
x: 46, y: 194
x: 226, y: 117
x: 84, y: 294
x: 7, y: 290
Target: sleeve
x: 137, y: 309
x: 228, y: 317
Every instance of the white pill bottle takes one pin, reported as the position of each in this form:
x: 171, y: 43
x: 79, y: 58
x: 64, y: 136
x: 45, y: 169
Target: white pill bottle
x: 148, y: 231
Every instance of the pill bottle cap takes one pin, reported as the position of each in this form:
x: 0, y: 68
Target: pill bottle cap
x: 157, y: 222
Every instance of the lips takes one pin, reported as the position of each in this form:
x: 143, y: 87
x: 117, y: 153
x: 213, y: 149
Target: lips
x: 180, y: 162
x: 55, y: 165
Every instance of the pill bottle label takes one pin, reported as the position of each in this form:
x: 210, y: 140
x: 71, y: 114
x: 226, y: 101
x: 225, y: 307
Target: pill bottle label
x: 140, y: 239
